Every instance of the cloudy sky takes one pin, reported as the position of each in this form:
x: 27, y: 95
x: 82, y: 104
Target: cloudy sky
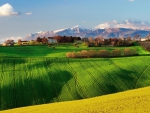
x: 18, y: 18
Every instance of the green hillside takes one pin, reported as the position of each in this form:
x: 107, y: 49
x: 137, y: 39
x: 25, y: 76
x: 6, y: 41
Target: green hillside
x: 31, y: 75
x: 59, y: 51
x: 31, y: 81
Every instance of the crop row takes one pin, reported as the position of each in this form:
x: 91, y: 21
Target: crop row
x: 32, y: 81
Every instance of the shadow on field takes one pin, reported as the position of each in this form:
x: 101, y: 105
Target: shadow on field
x: 116, y: 81
x: 12, y: 60
x: 33, y: 90
x: 144, y: 54
x: 122, y: 78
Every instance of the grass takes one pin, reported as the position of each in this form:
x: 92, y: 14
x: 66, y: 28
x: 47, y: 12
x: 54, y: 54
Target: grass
x: 141, y: 50
x: 60, y: 51
x: 34, y: 81
x: 33, y: 75
x: 135, y: 101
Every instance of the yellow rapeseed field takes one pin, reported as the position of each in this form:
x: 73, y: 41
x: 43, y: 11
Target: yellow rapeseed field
x: 133, y: 101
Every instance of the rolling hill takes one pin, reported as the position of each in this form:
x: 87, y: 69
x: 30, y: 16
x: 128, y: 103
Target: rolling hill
x: 34, y: 81
x: 34, y: 75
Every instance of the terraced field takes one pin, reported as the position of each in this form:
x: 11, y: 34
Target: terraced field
x: 33, y: 81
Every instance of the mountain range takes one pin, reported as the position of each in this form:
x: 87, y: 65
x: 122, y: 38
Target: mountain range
x: 87, y: 32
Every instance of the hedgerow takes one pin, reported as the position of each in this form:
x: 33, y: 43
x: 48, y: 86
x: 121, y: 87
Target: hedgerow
x: 102, y: 53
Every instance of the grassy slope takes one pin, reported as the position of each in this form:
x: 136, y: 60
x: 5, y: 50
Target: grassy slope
x: 60, y: 51
x: 134, y: 101
x: 39, y: 80
x: 32, y: 81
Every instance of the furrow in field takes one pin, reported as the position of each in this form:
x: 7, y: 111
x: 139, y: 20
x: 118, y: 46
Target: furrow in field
x: 69, y: 86
x: 33, y: 81
x: 78, y: 77
x: 86, y: 76
x: 146, y: 70
x: 74, y: 66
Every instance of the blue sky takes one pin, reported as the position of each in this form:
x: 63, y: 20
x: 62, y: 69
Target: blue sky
x: 30, y: 16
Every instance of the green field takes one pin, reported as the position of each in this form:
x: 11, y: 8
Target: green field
x: 60, y: 51
x: 31, y: 75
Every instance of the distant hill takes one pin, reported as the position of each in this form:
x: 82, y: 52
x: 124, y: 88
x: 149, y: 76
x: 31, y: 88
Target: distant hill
x: 133, y: 101
x: 86, y: 32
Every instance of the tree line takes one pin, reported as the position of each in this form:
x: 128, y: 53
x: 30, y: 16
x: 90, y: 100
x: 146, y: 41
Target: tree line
x: 99, y: 41
x: 90, y: 42
x: 59, y: 39
x: 66, y: 39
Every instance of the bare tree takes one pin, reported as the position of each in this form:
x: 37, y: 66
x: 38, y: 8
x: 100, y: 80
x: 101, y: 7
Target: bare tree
x: 10, y: 42
x: 99, y: 39
x: 136, y: 37
x: 19, y: 42
x: 148, y: 37
x: 90, y: 39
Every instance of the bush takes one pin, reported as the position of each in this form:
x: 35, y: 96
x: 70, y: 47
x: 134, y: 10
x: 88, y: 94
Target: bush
x: 104, y: 53
x: 116, y: 52
x: 84, y: 53
x: 101, y: 53
x: 129, y: 52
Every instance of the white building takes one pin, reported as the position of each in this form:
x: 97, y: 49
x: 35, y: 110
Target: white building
x: 51, y: 40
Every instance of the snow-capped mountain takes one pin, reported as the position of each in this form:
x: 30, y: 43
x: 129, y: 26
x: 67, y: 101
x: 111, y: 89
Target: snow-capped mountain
x: 74, y: 31
x: 86, y: 32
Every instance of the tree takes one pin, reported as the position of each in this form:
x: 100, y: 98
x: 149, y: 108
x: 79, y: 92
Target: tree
x: 129, y: 38
x: 39, y: 39
x: 99, y: 40
x: 148, y: 37
x: 120, y: 42
x: 70, y: 39
x: 128, y: 41
x: 136, y: 36
x: 85, y: 40
x: 44, y: 40
x: 10, y: 42
x: 114, y: 41
x: 58, y: 38
x: 19, y: 42
x: 90, y: 39
x: 106, y: 42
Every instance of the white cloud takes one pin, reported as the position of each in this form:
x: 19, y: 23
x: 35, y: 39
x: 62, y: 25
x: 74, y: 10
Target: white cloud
x: 7, y: 10
x: 111, y: 24
x: 29, y: 13
x: 2, y: 41
x: 131, y: 0
x: 16, y: 13
x: 14, y: 38
x: 133, y: 24
x: 11, y: 38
